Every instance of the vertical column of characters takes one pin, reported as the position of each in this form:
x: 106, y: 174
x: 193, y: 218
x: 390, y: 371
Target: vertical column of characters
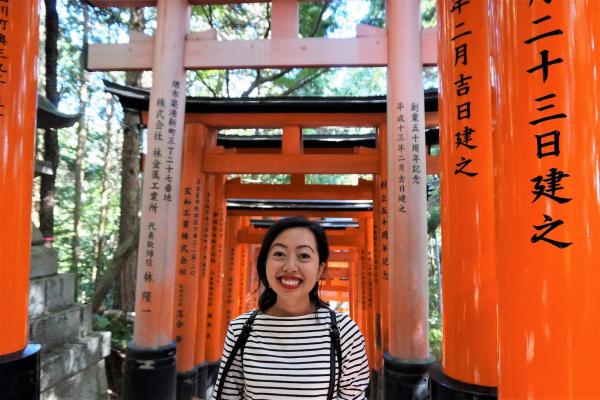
x: 186, y: 292
x: 381, y: 199
x: 467, y: 202
x: 408, y: 359
x: 231, y: 259
x: 545, y: 140
x: 406, y: 183
x: 153, y: 328
x: 361, y: 272
x: 215, y: 293
x: 243, y: 278
x: 367, y: 267
x: 164, y: 158
x: 203, y: 283
x: 373, y: 294
x: 251, y: 279
x: 353, y: 292
x: 154, y: 298
x: 240, y: 266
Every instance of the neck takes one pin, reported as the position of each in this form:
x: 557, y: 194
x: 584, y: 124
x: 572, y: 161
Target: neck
x: 291, y: 309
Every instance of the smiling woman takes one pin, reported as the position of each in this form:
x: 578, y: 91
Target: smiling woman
x: 293, y: 345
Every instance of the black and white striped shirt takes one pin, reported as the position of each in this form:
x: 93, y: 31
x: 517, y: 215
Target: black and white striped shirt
x: 289, y: 357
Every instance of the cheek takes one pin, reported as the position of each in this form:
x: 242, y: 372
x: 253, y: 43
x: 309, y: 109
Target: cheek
x: 270, y: 270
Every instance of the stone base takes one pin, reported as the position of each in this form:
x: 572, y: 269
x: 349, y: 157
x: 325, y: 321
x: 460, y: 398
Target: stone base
x: 89, y: 384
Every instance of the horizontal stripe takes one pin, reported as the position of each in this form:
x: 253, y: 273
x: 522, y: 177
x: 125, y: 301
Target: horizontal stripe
x: 289, y: 357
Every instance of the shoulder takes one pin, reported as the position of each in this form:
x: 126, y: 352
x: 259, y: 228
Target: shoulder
x: 348, y: 328
x: 236, y: 324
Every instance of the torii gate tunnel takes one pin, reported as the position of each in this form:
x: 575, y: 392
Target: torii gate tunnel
x: 520, y: 173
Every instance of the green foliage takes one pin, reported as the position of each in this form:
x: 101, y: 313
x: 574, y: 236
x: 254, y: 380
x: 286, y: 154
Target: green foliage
x: 121, y: 328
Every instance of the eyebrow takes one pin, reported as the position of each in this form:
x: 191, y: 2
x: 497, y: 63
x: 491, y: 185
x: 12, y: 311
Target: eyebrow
x: 284, y: 246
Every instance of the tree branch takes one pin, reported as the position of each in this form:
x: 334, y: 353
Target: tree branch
x: 206, y: 84
x: 318, y: 23
x: 303, y: 82
x: 260, y: 79
x: 125, y: 249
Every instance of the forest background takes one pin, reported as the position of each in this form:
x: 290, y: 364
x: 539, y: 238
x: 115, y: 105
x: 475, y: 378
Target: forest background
x: 88, y: 209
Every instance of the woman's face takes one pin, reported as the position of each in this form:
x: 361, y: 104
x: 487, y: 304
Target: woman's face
x: 293, y: 265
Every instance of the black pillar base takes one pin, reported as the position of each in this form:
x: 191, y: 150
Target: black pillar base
x: 20, y: 374
x: 373, y: 389
x: 201, y: 381
x: 212, y: 373
x: 150, y: 374
x: 405, y: 379
x: 186, y: 384
x: 445, y: 388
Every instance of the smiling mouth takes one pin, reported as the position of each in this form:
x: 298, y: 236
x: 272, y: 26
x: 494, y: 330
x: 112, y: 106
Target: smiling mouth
x: 289, y: 283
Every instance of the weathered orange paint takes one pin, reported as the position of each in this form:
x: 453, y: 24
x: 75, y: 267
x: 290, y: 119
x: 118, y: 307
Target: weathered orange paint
x: 374, y: 287
x: 214, y: 334
x: 18, y: 96
x: 367, y: 291
x: 408, y: 317
x: 188, y: 249
x: 243, y: 279
x: 548, y: 297
x: 252, y: 287
x: 204, y: 270
x: 381, y: 212
x: 232, y: 256
x: 467, y: 202
x: 153, y: 326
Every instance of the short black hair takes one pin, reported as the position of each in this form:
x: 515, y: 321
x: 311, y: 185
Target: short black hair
x: 268, y: 298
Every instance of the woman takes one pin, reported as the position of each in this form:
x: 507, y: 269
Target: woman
x: 292, y: 349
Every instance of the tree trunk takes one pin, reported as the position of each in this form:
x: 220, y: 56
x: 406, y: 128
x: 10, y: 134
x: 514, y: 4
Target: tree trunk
x: 80, y: 154
x: 130, y: 185
x: 124, y: 251
x: 104, y: 195
x: 50, y: 135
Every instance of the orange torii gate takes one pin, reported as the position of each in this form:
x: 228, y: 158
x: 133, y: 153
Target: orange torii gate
x: 399, y: 49
x: 545, y: 103
x: 272, y: 154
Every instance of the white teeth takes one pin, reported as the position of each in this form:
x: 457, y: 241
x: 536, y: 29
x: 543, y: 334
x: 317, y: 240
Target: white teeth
x: 290, y: 282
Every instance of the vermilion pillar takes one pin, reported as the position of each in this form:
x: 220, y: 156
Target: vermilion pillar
x: 381, y: 207
x: 19, y: 361
x: 406, y: 364
x: 153, y: 330
x: 188, y: 246
x: 467, y: 203
x: 214, y: 316
x: 203, y: 286
x: 241, y: 274
x: 546, y: 154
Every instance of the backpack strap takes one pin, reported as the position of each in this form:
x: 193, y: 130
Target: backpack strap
x: 336, y: 351
x: 239, y: 344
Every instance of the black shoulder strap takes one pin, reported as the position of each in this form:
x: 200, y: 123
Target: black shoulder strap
x: 239, y: 344
x: 336, y: 350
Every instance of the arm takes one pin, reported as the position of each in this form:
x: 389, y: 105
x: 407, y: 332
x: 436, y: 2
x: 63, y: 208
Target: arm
x: 234, y: 381
x: 355, y: 366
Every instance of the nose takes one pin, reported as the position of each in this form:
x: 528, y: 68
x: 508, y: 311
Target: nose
x: 290, y: 264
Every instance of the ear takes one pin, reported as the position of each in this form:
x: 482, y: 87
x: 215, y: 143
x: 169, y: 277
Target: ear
x: 321, y: 269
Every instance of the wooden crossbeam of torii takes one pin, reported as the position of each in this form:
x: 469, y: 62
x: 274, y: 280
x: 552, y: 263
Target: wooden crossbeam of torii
x: 283, y: 50
x: 235, y: 189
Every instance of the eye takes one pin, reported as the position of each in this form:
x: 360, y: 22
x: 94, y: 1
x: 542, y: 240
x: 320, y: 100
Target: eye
x: 278, y: 254
x: 304, y: 257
